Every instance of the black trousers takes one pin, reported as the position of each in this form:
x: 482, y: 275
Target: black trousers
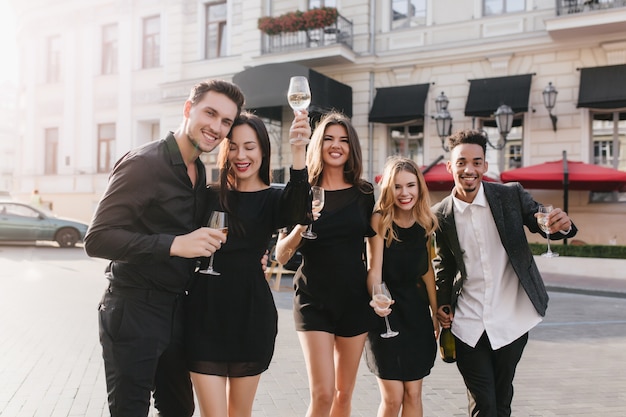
x: 488, y: 375
x: 141, y: 332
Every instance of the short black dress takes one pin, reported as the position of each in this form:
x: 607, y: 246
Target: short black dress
x: 231, y: 319
x: 410, y: 355
x: 331, y: 293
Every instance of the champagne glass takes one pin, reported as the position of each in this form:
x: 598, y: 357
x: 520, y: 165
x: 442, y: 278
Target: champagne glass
x: 542, y: 220
x: 318, y: 204
x: 218, y: 220
x: 299, y: 98
x: 382, y: 298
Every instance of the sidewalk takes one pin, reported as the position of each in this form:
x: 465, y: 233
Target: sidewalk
x: 592, y: 276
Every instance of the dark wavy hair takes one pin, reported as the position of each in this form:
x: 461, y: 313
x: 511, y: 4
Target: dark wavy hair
x: 353, y: 169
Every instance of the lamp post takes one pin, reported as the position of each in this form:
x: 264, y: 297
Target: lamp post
x: 504, y: 119
x: 549, y: 100
x: 443, y: 120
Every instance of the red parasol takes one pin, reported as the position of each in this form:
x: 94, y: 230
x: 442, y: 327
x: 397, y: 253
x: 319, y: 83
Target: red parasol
x: 581, y: 176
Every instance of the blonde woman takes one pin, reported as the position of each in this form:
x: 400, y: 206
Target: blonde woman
x: 399, y: 256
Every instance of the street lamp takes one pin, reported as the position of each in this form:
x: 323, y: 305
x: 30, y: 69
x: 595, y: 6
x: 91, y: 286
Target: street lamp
x: 443, y: 120
x: 549, y: 100
x: 504, y: 119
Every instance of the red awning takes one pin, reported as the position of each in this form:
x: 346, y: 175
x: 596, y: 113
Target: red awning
x: 581, y: 176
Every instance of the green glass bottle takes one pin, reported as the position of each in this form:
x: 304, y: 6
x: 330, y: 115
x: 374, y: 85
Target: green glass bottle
x: 447, y: 346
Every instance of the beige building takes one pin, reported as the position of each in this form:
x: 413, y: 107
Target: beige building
x: 102, y: 76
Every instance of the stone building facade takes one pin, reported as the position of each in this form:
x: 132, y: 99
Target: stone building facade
x: 103, y: 76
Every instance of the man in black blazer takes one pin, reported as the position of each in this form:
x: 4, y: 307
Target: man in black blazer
x: 486, y: 273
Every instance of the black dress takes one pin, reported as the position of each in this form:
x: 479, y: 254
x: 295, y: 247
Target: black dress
x: 410, y: 355
x: 231, y: 319
x: 331, y: 293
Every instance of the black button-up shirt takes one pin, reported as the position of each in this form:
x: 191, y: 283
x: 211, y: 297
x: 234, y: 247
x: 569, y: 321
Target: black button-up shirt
x: 149, y: 201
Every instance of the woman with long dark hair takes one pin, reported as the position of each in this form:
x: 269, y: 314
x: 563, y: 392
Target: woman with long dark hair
x: 231, y: 318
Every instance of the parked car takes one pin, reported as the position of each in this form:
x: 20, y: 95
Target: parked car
x: 21, y: 222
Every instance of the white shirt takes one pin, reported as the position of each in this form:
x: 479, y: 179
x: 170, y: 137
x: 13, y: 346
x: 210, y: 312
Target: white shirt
x: 492, y: 299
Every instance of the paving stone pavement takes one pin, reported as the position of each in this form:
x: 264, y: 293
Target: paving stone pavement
x: 50, y: 359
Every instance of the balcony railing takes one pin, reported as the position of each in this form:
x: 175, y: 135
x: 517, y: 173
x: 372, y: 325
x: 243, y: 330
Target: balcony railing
x: 339, y: 32
x: 564, y: 7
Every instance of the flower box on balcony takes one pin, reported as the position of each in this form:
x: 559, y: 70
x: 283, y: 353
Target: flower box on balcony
x: 297, y: 21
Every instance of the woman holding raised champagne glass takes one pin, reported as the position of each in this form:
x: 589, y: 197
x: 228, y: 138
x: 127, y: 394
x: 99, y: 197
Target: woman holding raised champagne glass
x: 231, y: 318
x: 331, y: 309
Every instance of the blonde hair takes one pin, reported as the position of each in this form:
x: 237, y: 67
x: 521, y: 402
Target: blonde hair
x: 386, y: 201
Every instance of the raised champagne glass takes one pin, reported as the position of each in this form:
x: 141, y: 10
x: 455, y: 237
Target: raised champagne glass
x: 299, y: 98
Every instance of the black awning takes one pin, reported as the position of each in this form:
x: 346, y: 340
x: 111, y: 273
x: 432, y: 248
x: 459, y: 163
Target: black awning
x: 265, y: 86
x: 487, y: 94
x: 399, y: 104
x: 603, y: 87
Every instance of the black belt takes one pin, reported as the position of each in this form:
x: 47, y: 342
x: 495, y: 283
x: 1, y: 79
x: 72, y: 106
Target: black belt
x: 144, y: 294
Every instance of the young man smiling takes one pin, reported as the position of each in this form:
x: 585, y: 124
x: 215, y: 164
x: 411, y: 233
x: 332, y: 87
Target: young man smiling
x: 486, y: 274
x: 148, y: 224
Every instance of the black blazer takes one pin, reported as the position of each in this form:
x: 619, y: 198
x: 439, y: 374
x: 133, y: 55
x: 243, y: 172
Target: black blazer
x: 512, y: 208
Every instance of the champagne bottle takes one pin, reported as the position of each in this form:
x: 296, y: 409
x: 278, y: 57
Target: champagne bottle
x: 447, y: 346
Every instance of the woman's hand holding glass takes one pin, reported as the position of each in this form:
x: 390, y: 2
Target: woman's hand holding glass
x: 382, y: 309
x: 300, y: 130
x: 299, y: 98
x: 381, y: 297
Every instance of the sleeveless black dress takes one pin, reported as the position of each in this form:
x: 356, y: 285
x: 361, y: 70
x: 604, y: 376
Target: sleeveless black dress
x: 331, y: 292
x: 410, y: 355
x: 231, y: 319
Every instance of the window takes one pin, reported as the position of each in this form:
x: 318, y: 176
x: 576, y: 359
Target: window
x: 316, y: 4
x: 514, y: 155
x: 407, y: 13
x: 494, y: 7
x: 609, y: 139
x: 106, y: 147
x: 51, y: 150
x: 147, y: 131
x: 216, y: 30
x: 109, y: 49
x: 408, y: 141
x: 53, y: 67
x: 603, y: 152
x: 151, y: 42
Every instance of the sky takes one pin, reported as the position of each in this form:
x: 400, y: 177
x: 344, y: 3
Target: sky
x: 8, y: 48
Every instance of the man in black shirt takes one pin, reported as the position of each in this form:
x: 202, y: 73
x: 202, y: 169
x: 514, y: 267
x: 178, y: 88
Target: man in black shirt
x: 148, y: 224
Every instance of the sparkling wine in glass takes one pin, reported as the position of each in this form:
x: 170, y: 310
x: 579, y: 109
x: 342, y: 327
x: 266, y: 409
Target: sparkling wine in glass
x: 218, y: 220
x: 542, y: 220
x: 382, y: 298
x: 299, y: 98
x: 317, y: 193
